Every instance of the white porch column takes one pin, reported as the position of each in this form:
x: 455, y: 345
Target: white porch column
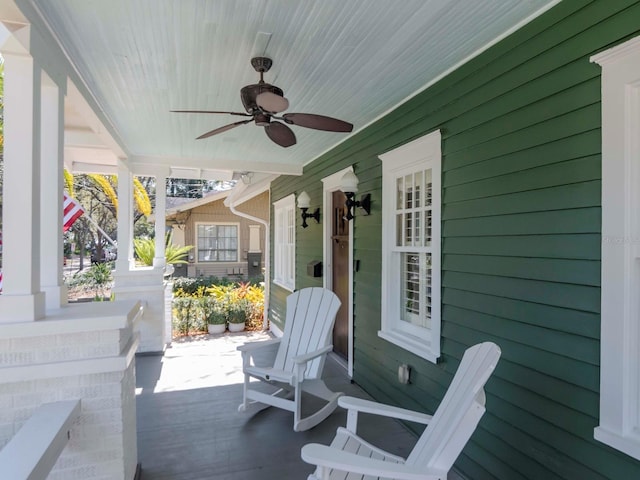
x: 159, y: 260
x: 52, y: 136
x: 125, y: 260
x: 22, y: 299
x: 143, y: 284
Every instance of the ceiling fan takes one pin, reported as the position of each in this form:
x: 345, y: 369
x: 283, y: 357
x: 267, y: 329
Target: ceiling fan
x: 263, y: 102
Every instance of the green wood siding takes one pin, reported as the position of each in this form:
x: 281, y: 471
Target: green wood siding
x: 521, y: 230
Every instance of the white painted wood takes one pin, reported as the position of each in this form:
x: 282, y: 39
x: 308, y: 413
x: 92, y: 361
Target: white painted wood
x: 22, y: 299
x: 284, y: 255
x: 51, y: 165
x: 420, y: 154
x: 437, y: 448
x: 331, y: 184
x: 34, y: 450
x: 125, y: 261
x: 296, y: 366
x: 163, y: 55
x: 620, y: 279
x: 359, y: 405
x: 159, y: 260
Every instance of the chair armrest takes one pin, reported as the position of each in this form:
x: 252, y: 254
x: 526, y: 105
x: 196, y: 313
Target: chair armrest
x: 304, y: 358
x: 367, y: 406
x: 328, y: 457
x: 253, y: 346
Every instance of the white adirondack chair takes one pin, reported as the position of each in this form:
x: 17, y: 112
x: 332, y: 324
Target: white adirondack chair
x: 437, y: 448
x: 294, y: 363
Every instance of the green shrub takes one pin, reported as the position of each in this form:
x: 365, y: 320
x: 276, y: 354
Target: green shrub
x: 238, y: 310
x: 96, y: 279
x: 216, y: 304
x: 188, y: 315
x: 189, y: 285
x: 182, y: 315
x: 214, y: 311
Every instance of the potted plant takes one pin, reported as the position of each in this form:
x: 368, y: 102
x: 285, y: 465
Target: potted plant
x: 215, y: 315
x: 237, y: 314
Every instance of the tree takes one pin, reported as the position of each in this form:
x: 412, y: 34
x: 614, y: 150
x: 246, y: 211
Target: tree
x: 97, y: 194
x: 194, y: 188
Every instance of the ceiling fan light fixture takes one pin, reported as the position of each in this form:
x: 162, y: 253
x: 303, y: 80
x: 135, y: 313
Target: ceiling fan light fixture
x: 272, y: 102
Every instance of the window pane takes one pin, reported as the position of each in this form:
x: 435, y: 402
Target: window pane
x: 399, y: 230
x: 408, y: 229
x: 410, y: 306
x: 428, y: 188
x: 417, y: 189
x: 399, y: 193
x: 217, y: 243
x: 427, y: 290
x: 427, y: 228
x: 408, y: 182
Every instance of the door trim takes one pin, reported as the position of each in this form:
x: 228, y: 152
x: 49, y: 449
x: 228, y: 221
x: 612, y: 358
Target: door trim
x: 331, y: 184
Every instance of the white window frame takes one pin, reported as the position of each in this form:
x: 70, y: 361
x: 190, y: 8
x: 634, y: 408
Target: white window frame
x: 420, y: 154
x: 284, y: 243
x: 620, y: 278
x: 215, y: 224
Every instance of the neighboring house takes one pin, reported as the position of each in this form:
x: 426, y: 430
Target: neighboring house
x: 502, y: 209
x: 225, y: 244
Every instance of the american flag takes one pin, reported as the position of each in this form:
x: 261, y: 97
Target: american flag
x: 72, y: 211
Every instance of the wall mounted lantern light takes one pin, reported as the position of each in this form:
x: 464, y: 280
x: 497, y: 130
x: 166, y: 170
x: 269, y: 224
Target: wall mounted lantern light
x: 303, y: 204
x: 349, y: 185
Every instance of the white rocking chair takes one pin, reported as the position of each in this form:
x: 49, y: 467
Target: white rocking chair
x: 437, y: 448
x: 294, y: 363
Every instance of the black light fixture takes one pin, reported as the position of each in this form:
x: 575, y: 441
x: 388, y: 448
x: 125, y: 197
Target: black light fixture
x: 303, y: 204
x: 349, y: 185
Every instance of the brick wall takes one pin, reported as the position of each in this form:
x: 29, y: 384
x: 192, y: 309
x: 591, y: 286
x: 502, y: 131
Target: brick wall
x: 97, y: 367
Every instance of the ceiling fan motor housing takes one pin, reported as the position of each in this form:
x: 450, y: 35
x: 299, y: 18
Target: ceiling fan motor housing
x: 249, y: 93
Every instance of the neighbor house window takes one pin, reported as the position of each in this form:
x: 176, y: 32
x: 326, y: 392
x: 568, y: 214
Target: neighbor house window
x: 619, y: 423
x: 411, y: 246
x: 217, y: 243
x: 284, y: 242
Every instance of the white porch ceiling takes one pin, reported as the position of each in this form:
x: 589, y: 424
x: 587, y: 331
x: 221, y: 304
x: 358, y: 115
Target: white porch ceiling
x: 354, y: 60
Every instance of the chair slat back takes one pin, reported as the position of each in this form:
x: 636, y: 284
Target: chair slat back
x: 459, y: 412
x: 311, y: 313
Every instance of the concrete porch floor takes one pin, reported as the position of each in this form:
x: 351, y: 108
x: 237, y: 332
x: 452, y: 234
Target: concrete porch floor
x: 189, y: 427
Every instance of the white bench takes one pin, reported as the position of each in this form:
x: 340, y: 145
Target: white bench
x: 34, y: 450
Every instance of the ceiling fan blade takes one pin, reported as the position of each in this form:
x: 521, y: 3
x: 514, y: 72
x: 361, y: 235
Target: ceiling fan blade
x: 223, y: 129
x: 272, y: 103
x: 211, y: 111
x: 280, y: 134
x: 318, y: 122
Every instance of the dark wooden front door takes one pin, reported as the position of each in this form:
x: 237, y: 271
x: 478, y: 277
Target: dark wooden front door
x: 340, y: 273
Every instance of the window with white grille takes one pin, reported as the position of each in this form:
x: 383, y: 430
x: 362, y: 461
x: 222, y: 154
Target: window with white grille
x: 217, y: 243
x: 284, y: 242
x: 411, y: 246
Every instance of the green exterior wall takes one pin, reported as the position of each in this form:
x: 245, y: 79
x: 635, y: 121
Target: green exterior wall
x: 521, y: 243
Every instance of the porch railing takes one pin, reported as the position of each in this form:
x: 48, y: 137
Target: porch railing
x: 34, y: 450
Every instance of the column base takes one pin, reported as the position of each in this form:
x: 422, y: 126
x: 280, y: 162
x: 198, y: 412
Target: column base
x: 56, y: 296
x: 22, y: 308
